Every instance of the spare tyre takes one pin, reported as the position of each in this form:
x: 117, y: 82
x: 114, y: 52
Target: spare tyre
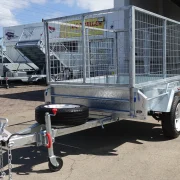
x: 67, y: 114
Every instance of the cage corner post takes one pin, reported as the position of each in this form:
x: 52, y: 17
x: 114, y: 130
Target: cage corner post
x: 164, y: 48
x: 132, y: 59
x: 47, y: 53
x: 84, y: 48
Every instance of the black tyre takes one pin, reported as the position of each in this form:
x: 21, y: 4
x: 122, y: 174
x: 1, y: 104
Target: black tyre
x: 67, y: 114
x: 171, y: 121
x: 53, y: 168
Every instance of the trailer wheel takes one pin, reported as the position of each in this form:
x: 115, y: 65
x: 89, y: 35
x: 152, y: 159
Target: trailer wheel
x: 67, y: 114
x: 53, y: 168
x: 171, y: 121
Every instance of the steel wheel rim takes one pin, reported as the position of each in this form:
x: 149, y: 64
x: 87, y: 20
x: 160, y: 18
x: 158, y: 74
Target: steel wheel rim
x: 177, y: 118
x: 61, y: 106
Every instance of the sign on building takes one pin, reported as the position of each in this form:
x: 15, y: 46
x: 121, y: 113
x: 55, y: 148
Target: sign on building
x: 71, y: 31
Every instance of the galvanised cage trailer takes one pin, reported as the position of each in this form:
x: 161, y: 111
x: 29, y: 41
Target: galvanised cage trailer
x: 128, y: 67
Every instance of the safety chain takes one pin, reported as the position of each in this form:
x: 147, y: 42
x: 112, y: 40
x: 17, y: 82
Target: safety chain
x: 2, y: 173
x: 10, y: 160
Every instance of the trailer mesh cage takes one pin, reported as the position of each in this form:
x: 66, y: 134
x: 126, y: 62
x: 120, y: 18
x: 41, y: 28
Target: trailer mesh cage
x: 157, y: 47
x: 126, y: 46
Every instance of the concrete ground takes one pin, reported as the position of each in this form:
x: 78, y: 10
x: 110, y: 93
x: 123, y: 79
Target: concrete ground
x: 127, y: 150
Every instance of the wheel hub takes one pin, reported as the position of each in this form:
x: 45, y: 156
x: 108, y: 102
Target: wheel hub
x: 177, y: 118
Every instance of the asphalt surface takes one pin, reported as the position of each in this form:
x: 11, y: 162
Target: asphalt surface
x: 127, y: 150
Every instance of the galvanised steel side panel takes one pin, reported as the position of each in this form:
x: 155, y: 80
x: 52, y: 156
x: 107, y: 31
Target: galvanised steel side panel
x: 107, y: 98
x: 120, y: 93
x: 97, y: 104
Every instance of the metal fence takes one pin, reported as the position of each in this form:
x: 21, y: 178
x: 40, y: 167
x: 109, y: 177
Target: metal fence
x: 119, y: 46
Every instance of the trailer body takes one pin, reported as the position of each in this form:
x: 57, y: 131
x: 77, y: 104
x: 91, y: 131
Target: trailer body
x: 130, y: 69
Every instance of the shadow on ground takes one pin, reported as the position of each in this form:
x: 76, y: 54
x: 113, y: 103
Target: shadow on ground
x: 26, y: 96
x: 94, y: 142
x: 15, y: 84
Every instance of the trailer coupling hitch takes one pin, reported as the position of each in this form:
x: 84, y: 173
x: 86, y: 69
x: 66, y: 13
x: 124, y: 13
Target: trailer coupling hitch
x: 4, y: 134
x: 3, y: 124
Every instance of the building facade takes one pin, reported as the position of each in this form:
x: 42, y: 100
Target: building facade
x: 167, y: 8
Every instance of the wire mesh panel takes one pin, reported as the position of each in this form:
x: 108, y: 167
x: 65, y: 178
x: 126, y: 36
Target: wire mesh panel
x: 173, y: 49
x: 99, y: 56
x: 65, y: 49
x: 106, y: 55
x: 157, y: 49
x: 149, y: 47
x: 90, y: 49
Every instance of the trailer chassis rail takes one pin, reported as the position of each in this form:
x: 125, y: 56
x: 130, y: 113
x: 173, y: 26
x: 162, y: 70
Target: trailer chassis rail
x: 42, y: 135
